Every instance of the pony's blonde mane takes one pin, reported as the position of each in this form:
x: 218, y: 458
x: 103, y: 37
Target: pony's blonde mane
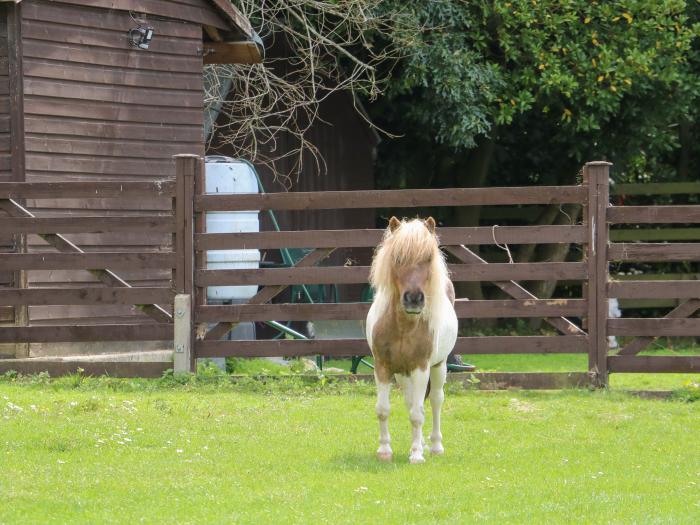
x: 409, y: 244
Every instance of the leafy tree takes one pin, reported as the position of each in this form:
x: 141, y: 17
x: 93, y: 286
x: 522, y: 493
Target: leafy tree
x: 576, y: 78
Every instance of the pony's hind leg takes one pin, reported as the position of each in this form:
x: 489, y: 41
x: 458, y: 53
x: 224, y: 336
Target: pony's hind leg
x: 417, y: 385
x: 384, y: 452
x: 438, y: 374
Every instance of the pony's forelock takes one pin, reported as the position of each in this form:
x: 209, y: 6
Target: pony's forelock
x: 409, y: 244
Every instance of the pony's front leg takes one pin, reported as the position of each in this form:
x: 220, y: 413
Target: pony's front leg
x: 384, y: 452
x: 416, y: 392
x: 438, y: 375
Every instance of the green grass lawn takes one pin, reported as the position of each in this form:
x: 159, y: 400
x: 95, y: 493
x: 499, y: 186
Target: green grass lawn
x: 156, y: 451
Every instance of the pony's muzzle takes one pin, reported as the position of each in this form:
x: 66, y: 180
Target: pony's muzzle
x: 413, y: 302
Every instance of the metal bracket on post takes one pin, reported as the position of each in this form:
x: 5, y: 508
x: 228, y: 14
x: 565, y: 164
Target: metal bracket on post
x: 183, y: 332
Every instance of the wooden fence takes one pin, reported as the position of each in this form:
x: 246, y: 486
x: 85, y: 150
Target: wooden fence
x: 579, y: 324
x: 626, y: 194
x: 679, y: 321
x: 107, y: 267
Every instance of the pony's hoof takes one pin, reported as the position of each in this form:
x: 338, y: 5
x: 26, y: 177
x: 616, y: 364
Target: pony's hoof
x: 385, y: 456
x: 437, y: 450
x: 416, y: 459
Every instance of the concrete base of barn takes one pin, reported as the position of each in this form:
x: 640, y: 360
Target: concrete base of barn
x: 61, y: 367
x: 134, y: 363
x: 91, y: 349
x: 147, y: 356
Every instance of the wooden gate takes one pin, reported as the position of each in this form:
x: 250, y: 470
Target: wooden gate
x: 562, y: 314
x: 677, y: 322
x: 153, y: 304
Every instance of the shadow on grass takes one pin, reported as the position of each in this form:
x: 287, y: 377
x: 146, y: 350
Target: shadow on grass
x: 368, y: 462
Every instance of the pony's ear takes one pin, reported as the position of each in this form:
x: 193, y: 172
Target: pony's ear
x: 394, y: 223
x: 430, y: 224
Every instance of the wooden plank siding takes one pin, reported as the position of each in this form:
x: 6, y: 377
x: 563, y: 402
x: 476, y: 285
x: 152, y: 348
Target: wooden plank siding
x: 6, y: 243
x: 97, y: 109
x: 85, y: 333
x: 162, y: 107
x: 199, y: 12
x: 5, y: 139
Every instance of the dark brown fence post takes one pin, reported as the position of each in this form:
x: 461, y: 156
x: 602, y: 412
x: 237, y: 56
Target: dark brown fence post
x: 199, y: 294
x: 187, y: 168
x: 596, y: 177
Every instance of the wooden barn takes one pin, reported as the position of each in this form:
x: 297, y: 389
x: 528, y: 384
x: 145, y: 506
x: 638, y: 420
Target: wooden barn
x: 104, y: 90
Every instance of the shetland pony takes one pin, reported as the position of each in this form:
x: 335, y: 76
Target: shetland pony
x: 411, y: 328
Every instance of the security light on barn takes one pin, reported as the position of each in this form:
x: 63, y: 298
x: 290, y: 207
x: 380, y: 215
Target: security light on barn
x: 140, y: 37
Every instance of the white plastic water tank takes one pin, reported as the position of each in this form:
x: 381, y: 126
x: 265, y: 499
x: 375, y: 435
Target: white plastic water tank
x: 227, y: 175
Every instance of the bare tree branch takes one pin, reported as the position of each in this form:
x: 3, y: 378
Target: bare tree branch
x: 326, y: 47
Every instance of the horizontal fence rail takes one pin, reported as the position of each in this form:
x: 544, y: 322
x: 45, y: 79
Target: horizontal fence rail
x: 346, y: 347
x: 371, y: 238
x: 654, y: 252
x: 485, y: 309
x: 391, y: 198
x: 360, y: 274
x: 654, y: 214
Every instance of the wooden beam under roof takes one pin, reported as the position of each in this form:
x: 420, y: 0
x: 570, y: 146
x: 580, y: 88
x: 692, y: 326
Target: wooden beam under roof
x: 232, y: 53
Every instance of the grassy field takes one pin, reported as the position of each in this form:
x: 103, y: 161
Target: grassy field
x: 188, y: 450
